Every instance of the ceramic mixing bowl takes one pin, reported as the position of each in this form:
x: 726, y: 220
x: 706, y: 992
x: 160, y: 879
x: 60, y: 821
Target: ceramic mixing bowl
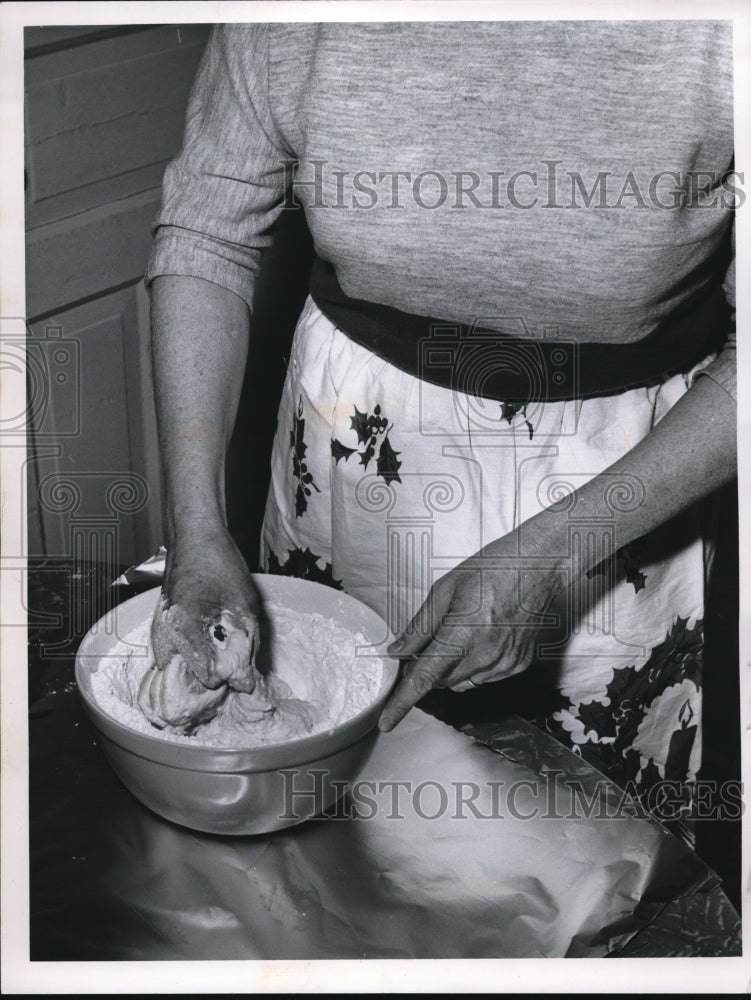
x: 238, y: 791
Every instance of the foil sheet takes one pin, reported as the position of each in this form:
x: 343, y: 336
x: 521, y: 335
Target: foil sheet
x: 151, y: 571
x: 418, y: 878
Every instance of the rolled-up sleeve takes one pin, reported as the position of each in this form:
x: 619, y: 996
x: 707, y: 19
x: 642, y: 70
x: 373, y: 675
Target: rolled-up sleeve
x: 223, y: 191
x: 723, y: 369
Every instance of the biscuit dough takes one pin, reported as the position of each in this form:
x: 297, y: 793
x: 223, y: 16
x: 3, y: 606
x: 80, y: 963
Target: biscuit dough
x: 312, y: 677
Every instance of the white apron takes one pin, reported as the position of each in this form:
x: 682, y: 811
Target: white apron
x: 382, y: 482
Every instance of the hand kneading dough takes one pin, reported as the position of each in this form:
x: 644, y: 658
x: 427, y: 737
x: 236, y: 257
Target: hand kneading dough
x: 233, y: 643
x: 311, y: 679
x: 175, y: 698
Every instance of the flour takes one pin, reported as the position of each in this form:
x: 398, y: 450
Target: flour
x: 313, y: 680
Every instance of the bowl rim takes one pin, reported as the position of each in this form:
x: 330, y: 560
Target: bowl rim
x: 270, y: 756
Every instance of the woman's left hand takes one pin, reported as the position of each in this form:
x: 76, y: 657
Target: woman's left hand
x: 481, y: 622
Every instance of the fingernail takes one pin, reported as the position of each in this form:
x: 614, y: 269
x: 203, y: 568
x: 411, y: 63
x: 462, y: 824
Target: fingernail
x: 395, y: 646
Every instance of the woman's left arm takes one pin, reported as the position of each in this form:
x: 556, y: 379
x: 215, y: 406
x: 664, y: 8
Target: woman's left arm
x: 483, y: 619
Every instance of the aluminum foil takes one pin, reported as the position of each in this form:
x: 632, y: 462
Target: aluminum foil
x: 395, y: 871
x: 151, y: 571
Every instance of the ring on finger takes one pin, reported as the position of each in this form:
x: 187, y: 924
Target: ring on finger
x: 466, y: 685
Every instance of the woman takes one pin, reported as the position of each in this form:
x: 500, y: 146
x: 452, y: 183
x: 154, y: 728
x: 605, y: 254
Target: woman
x: 493, y: 428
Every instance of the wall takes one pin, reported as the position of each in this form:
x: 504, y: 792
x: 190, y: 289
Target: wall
x: 104, y: 113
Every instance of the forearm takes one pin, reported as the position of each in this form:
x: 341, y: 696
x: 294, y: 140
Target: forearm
x: 199, y: 350
x: 688, y: 455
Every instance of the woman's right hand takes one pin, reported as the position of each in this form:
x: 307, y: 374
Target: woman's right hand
x: 204, y: 632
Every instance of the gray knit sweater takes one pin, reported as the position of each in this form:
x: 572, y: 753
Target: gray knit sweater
x: 573, y: 175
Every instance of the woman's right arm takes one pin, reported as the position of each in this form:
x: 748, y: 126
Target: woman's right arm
x: 199, y: 349
x: 221, y: 196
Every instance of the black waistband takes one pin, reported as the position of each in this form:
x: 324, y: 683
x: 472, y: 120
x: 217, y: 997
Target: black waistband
x: 500, y: 366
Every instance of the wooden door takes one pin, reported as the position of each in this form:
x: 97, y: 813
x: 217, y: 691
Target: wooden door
x: 104, y: 114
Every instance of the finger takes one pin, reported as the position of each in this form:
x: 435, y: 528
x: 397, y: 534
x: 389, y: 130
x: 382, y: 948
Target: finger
x: 420, y: 677
x: 218, y: 651
x: 174, y: 697
x: 423, y: 626
x: 411, y: 689
x: 469, y: 672
x: 475, y: 657
x: 234, y: 638
x: 148, y: 697
x: 468, y: 675
x: 185, y: 701
x: 462, y: 686
x: 176, y: 632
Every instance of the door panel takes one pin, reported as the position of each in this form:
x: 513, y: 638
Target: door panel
x: 97, y: 468
x: 105, y: 108
x: 89, y: 254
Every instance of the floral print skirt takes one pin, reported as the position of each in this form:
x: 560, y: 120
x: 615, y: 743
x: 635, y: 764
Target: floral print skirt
x: 381, y: 482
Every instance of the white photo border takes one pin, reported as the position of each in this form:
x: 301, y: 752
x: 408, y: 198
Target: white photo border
x: 434, y: 976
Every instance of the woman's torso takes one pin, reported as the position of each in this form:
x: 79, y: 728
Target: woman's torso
x: 565, y: 162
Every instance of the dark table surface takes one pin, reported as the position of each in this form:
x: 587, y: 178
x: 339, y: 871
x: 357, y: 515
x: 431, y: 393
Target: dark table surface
x: 64, y: 601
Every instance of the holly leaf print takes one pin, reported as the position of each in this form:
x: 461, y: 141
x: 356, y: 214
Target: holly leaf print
x: 691, y: 667
x: 509, y: 411
x: 624, y: 557
x: 360, y: 424
x: 634, y: 575
x: 632, y: 572
x: 296, y: 441
x: 339, y: 450
x: 371, y: 429
x: 597, y: 718
x: 297, y: 434
x: 305, y: 483
x: 679, y: 657
x: 365, y: 456
x: 621, y: 685
x: 301, y: 500
x: 387, y: 464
